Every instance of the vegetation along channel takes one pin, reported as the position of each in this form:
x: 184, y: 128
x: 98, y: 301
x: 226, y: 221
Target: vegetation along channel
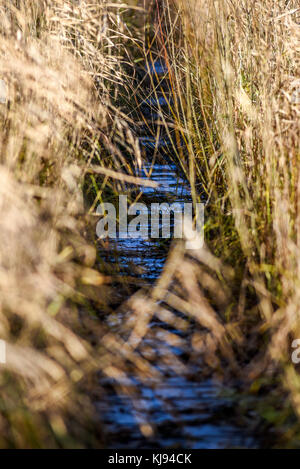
x: 181, y: 407
x: 149, y: 191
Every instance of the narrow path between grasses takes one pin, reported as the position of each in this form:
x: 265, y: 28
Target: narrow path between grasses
x: 183, y: 409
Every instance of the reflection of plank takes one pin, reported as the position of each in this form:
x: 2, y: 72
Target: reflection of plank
x: 3, y: 92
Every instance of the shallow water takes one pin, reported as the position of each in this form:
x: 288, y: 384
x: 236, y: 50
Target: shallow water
x: 185, y: 414
x: 184, y: 409
x: 146, y: 255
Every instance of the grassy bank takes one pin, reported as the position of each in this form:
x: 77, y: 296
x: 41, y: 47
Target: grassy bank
x: 234, y: 68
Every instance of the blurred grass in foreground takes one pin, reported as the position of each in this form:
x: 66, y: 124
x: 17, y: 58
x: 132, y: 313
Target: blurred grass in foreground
x: 60, y: 61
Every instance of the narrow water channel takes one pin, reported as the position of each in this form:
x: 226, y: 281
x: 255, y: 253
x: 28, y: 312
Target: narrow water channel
x: 184, y: 409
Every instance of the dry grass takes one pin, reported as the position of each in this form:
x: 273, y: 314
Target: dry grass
x: 60, y: 62
x: 234, y: 68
